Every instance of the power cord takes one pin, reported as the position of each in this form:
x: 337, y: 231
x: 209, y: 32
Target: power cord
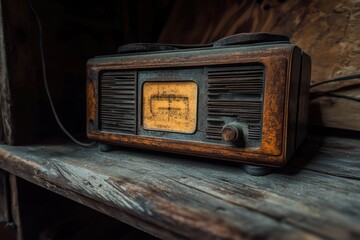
x: 46, y: 83
x: 344, y: 78
x: 332, y: 93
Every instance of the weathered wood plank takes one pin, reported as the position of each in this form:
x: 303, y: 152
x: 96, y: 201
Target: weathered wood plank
x: 154, y: 200
x: 174, y: 196
x: 332, y: 156
x: 22, y: 69
x: 5, y: 96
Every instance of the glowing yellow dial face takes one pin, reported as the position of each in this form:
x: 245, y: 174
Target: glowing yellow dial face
x: 169, y: 106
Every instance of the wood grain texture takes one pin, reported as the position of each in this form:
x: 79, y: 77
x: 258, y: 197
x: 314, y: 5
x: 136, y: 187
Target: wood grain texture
x: 22, y: 72
x: 316, y: 197
x: 5, y: 97
x: 328, y: 30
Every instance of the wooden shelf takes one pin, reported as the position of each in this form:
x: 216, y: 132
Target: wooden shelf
x: 170, y: 196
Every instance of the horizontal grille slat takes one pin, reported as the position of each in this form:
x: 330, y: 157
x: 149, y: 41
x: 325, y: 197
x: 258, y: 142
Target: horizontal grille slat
x: 235, y: 93
x: 254, y: 132
x: 244, y: 78
x: 117, y: 103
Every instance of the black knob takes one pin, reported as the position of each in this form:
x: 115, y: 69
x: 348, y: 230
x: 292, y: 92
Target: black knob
x: 232, y: 132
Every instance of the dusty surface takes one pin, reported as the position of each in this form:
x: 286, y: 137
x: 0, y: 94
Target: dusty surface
x: 316, y: 197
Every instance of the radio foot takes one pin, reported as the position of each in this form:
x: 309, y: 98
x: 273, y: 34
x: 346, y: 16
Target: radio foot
x: 107, y: 148
x: 256, y: 170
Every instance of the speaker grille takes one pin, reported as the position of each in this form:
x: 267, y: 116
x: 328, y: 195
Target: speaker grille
x: 235, y: 93
x: 117, y: 101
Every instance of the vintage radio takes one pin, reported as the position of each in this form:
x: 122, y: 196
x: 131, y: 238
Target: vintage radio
x: 243, y: 98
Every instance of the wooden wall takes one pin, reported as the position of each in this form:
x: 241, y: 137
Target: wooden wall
x: 328, y: 30
x: 75, y: 31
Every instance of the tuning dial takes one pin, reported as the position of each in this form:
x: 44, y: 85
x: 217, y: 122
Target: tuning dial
x: 232, y: 132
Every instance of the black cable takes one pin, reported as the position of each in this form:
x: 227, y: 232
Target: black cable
x: 46, y: 84
x: 343, y: 96
x: 331, y: 94
x: 345, y: 78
